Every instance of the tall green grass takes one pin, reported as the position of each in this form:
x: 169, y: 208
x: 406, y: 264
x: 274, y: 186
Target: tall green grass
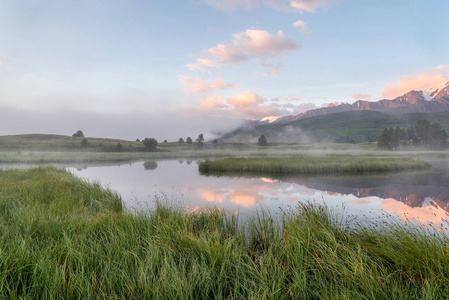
x: 311, y: 165
x: 62, y: 238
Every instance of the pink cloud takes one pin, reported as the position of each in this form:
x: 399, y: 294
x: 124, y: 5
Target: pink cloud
x: 361, y: 96
x: 292, y: 98
x: 246, y: 99
x: 302, y: 26
x: 429, y: 79
x: 212, y: 103
x: 194, y: 85
x: 246, y: 46
x: 274, y: 69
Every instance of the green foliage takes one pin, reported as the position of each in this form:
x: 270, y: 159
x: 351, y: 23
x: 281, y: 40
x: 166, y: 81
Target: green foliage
x: 84, y: 143
x: 262, y: 140
x: 200, y: 140
x: 423, y: 134
x: 63, y: 238
x: 79, y: 133
x: 311, y: 165
x: 189, y: 140
x: 120, y: 147
x: 181, y: 141
x: 150, y: 144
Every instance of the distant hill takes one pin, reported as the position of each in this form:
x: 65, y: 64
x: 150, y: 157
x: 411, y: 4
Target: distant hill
x: 54, y: 142
x: 352, y: 126
x: 361, y: 121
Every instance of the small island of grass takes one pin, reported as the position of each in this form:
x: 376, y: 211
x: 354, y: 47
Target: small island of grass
x: 311, y: 165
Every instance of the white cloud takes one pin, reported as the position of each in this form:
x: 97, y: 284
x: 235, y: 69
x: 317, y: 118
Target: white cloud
x: 301, y: 5
x: 302, y: 26
x: 231, y: 4
x: 194, y: 85
x: 310, y: 5
x: 246, y: 46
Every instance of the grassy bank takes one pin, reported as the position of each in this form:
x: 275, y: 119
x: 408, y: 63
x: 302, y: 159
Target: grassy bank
x: 311, y: 165
x: 64, y: 238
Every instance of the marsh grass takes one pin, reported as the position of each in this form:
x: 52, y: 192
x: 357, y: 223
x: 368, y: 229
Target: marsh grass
x: 311, y: 165
x: 63, y: 238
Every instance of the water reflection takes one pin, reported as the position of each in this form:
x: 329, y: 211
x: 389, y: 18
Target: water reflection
x: 150, y: 165
x: 423, y: 196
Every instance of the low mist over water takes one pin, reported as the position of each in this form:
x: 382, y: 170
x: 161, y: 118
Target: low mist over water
x: 423, y: 196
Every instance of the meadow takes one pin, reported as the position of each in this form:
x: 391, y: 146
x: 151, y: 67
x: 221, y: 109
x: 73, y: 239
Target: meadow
x: 61, y: 237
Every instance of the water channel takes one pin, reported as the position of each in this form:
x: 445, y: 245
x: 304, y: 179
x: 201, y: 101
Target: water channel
x: 422, y: 196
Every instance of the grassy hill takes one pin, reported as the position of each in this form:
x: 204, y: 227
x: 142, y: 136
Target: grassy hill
x: 353, y: 126
x: 53, y: 142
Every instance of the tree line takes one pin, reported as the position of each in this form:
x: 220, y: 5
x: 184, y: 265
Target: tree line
x: 422, y: 135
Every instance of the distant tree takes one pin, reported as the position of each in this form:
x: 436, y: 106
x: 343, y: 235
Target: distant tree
x: 84, y: 143
x: 200, y: 140
x: 438, y: 136
x: 189, y: 140
x: 422, y: 130
x: 262, y: 140
x: 165, y: 142
x: 181, y: 140
x: 79, y: 133
x: 423, y: 134
x: 137, y: 140
x: 150, y: 144
x: 385, y: 140
x: 119, y: 147
x: 215, y: 142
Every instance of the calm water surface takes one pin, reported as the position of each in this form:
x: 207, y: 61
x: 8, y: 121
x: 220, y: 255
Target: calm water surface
x: 423, y: 196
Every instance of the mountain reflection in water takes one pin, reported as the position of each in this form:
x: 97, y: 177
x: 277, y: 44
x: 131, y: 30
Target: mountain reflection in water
x: 423, y: 196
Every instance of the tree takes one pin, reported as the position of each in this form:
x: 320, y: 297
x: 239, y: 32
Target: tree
x: 79, y: 133
x: 262, y: 140
x: 181, y: 140
x: 422, y: 131
x: 200, y: 140
x: 119, y: 147
x: 438, y: 136
x: 150, y: 144
x: 385, y: 140
x: 165, y: 142
x: 189, y: 140
x: 84, y: 143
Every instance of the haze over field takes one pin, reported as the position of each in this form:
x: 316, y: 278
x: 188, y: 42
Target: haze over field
x: 171, y: 69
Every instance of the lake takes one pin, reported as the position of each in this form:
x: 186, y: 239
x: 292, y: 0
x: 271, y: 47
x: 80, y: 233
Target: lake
x: 422, y: 196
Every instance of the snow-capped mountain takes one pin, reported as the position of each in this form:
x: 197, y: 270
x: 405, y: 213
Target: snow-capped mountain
x: 431, y: 100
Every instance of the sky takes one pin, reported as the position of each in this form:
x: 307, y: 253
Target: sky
x: 170, y: 69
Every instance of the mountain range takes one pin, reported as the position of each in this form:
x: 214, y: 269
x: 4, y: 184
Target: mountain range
x: 361, y: 121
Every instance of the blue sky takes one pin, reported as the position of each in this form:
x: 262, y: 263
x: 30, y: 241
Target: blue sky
x: 170, y: 69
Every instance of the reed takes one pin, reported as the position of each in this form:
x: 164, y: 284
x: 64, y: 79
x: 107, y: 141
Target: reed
x: 311, y: 165
x: 63, y: 238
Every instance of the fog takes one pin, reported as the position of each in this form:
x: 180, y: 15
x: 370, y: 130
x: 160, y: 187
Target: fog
x: 168, y: 126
